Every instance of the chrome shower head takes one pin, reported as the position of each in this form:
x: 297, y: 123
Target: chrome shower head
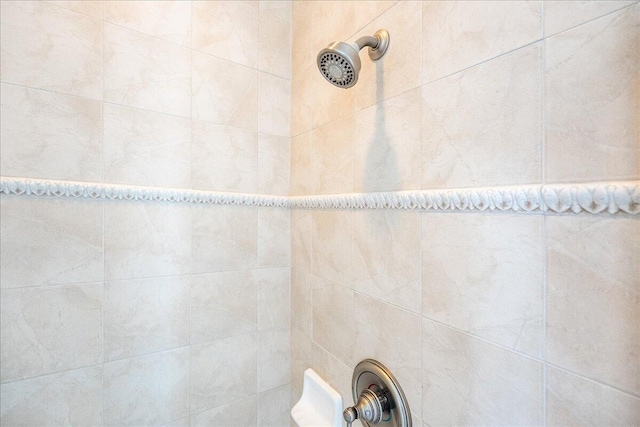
x: 340, y: 63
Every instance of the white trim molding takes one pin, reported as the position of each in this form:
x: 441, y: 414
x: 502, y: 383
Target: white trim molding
x: 594, y: 198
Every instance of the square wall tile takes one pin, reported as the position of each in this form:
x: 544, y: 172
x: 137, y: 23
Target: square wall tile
x: 169, y: 20
x: 301, y: 164
x: 333, y: 371
x: 224, y: 238
x: 467, y: 381
x: 301, y: 306
x: 146, y: 240
x: 224, y: 92
x: 274, y: 407
x: 146, y: 148
x: 146, y: 72
x: 387, y: 145
x: 593, y: 297
x: 274, y: 297
x: 560, y: 15
x: 47, y: 47
x: 274, y: 164
x: 386, y: 257
x: 227, y: 29
x: 301, y: 244
x: 391, y: 335
x: 223, y: 371
x: 46, y: 330
x: 223, y: 305
x: 333, y: 328
x: 573, y: 400
x: 273, y: 358
x: 274, y: 104
x: 147, y: 390
x: 481, y: 127
x: 332, y: 245
x: 459, y: 34
x: 145, y: 316
x: 592, y: 100
x: 331, y: 157
x: 223, y: 158
x: 274, y: 49
x: 71, y: 397
x: 50, y: 241
x: 274, y: 242
x: 93, y: 8
x: 302, y: 101
x: 483, y: 274
x: 50, y: 135
x: 240, y: 413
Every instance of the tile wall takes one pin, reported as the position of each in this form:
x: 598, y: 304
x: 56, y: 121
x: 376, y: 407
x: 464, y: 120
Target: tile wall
x: 145, y: 313
x: 486, y: 319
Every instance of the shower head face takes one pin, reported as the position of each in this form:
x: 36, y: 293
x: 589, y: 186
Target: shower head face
x: 339, y: 63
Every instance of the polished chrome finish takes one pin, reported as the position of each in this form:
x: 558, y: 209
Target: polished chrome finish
x: 379, y: 397
x: 340, y: 63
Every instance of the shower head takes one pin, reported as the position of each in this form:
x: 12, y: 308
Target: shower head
x: 340, y: 64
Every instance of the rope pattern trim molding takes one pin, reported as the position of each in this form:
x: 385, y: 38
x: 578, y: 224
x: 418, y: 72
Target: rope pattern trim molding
x: 593, y: 198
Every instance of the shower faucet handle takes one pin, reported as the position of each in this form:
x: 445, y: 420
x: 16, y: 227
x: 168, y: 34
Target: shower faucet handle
x: 370, y: 406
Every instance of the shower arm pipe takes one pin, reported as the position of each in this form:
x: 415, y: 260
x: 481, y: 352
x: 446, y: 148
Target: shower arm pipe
x: 371, y: 41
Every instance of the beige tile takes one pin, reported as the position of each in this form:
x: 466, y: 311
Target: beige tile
x: 180, y: 422
x: 223, y: 158
x: 274, y: 164
x: 67, y: 398
x: 302, y: 101
x: 45, y: 330
x: 301, y: 165
x: 457, y: 35
x: 274, y: 242
x: 274, y: 49
x: 576, y: 401
x: 390, y: 335
x: 592, y: 100
x: 240, y: 413
x: 224, y: 238
x: 331, y: 157
x: 301, y: 354
x: 224, y: 92
x: 49, y: 241
x: 470, y: 382
x: 145, y: 316
x: 223, y: 305
x: 301, y: 306
x: 481, y: 127
x: 398, y: 71
x: 222, y: 371
x: 146, y: 72
x: 274, y: 297
x: 50, y: 135
x: 484, y: 274
x: 227, y: 29
x: 301, y: 244
x: 561, y: 15
x: 593, y: 298
x: 333, y: 326
x: 329, y: 103
x: 274, y: 407
x: 334, y: 372
x: 91, y: 8
x: 273, y: 358
x: 146, y: 148
x: 169, y: 20
x: 147, y: 390
x: 274, y: 104
x: 146, y: 240
x: 386, y: 257
x: 387, y: 145
x: 47, y: 47
x: 332, y: 245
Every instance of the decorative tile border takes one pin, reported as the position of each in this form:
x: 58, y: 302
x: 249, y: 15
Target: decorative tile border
x: 594, y: 198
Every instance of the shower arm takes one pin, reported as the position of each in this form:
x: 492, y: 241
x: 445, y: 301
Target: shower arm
x: 371, y: 41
